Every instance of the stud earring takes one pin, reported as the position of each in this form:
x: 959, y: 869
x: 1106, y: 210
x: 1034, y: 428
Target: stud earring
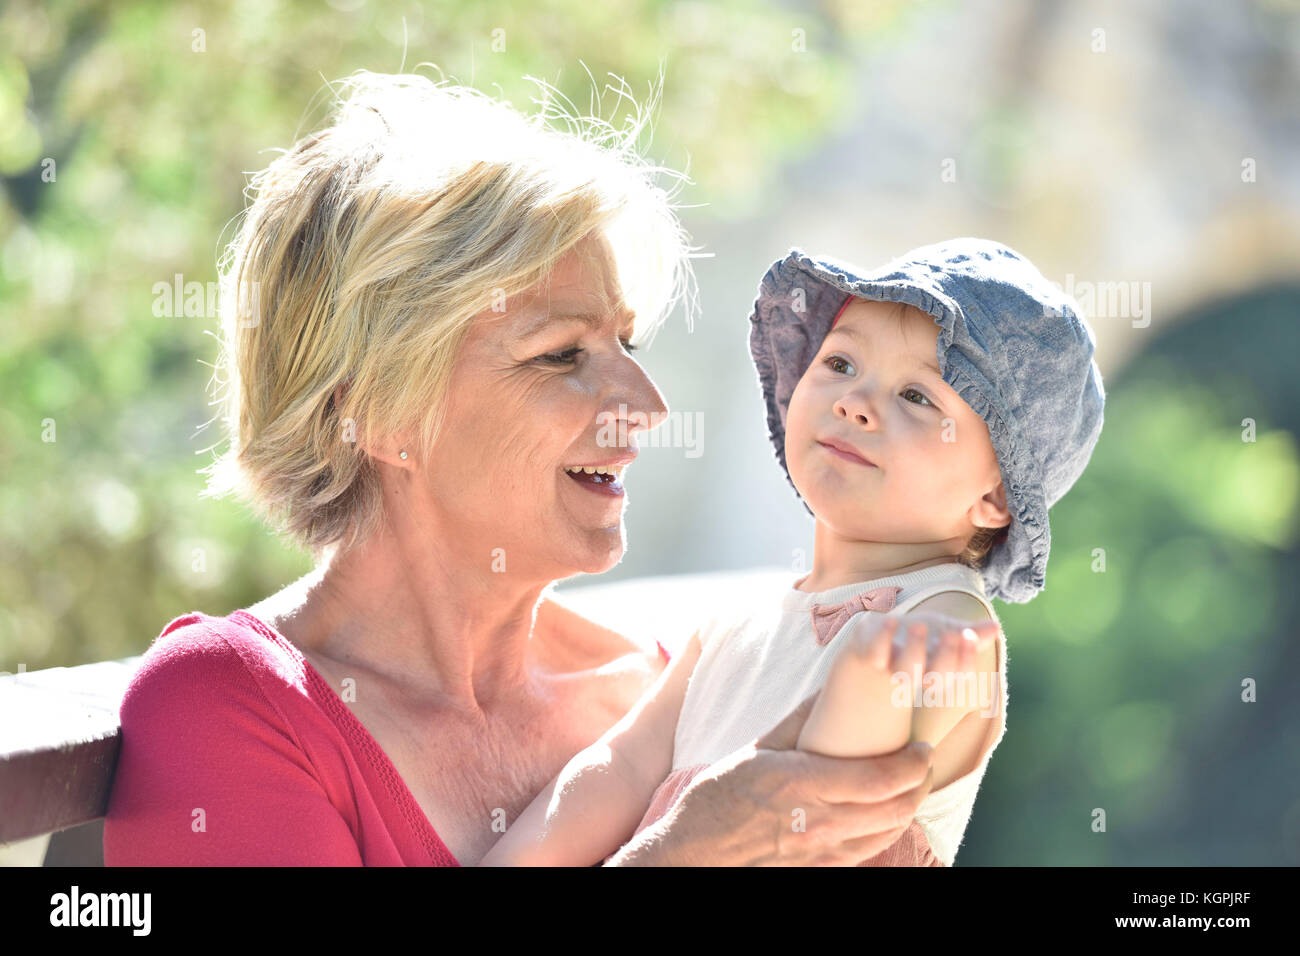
x: 402, y: 456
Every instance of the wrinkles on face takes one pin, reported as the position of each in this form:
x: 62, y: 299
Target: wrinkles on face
x: 514, y: 420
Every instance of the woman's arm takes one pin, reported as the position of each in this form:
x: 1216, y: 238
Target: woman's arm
x: 769, y: 804
x: 594, y: 804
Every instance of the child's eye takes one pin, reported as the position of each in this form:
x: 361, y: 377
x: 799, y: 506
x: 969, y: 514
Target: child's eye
x: 831, y: 360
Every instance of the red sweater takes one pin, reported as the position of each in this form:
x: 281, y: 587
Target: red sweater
x: 236, y: 752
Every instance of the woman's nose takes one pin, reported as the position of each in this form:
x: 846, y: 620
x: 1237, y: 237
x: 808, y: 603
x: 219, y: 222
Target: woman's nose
x: 636, y: 398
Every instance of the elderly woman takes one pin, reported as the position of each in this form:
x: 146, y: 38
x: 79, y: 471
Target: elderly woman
x: 428, y: 317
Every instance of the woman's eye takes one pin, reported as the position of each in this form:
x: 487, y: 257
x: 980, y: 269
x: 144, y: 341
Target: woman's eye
x: 560, y: 358
x: 915, y: 392
x: 568, y: 355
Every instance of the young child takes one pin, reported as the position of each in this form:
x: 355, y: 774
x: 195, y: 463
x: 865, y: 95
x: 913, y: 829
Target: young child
x: 930, y: 483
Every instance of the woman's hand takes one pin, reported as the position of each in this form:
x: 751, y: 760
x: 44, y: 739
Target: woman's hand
x: 769, y: 804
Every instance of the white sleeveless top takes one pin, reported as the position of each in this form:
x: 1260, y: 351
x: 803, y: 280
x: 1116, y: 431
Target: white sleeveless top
x: 758, y: 665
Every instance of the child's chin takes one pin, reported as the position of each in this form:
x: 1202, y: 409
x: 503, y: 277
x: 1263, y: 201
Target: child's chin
x: 844, y: 517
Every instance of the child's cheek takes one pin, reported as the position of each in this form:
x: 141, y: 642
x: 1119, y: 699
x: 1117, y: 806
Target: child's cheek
x: 796, y: 413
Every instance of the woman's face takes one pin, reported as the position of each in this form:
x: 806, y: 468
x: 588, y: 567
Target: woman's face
x: 875, y: 387
x: 535, y: 390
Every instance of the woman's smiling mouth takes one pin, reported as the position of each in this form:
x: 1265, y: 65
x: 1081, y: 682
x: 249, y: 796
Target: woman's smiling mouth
x: 601, y: 479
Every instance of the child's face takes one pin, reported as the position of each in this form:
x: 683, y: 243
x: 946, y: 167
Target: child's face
x: 875, y: 386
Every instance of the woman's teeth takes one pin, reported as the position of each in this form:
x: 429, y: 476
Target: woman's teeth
x: 598, y: 477
x: 613, y: 471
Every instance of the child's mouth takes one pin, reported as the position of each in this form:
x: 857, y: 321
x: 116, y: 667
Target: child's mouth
x: 846, y: 455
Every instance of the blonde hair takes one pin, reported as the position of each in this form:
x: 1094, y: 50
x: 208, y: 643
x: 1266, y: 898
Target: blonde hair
x: 366, y: 251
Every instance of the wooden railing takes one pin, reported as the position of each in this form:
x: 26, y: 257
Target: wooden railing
x: 59, y: 738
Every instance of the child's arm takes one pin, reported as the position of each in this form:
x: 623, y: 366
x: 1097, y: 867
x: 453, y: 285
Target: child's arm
x: 593, y: 805
x: 862, y: 712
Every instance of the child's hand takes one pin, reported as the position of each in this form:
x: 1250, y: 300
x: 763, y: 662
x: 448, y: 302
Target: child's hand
x: 875, y: 700
x: 933, y: 663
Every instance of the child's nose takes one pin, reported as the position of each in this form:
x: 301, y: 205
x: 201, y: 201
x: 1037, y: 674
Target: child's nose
x: 858, y: 407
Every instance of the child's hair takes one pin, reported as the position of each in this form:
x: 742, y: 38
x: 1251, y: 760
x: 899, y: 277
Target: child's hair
x: 977, y: 549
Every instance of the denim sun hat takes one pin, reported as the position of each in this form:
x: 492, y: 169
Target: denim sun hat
x: 1013, y: 345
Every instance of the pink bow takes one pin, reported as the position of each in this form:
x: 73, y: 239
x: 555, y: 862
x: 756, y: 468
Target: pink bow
x: 827, y: 619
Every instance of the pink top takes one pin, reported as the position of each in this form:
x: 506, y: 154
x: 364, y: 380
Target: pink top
x: 236, y: 752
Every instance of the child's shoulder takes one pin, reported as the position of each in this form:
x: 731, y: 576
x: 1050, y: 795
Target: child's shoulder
x: 959, y: 604
x: 956, y: 590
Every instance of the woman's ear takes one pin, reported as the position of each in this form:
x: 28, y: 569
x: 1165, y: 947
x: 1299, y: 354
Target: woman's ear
x: 389, y: 450
x: 395, y: 450
x: 991, y: 510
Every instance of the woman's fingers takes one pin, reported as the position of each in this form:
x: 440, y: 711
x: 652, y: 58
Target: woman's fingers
x: 890, y: 816
x: 855, y: 831
x: 860, y: 851
x: 867, y: 779
x: 795, y: 808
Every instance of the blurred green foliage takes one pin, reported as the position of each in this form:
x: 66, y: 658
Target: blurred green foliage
x: 1171, y: 581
